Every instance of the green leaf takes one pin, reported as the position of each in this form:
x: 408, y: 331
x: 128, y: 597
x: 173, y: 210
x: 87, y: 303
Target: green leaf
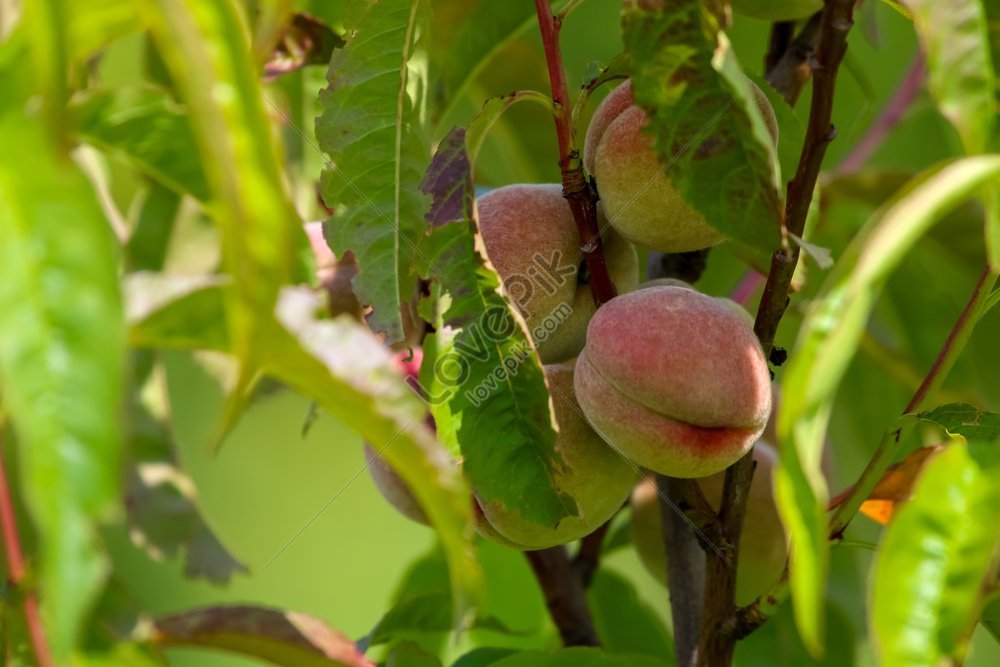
x: 990, y: 617
x: 827, y: 341
x: 935, y: 554
x: 624, y: 623
x: 206, y: 47
x: 61, y: 364
x: 409, y: 654
x: 578, y: 657
x: 348, y: 372
x: 480, y: 370
x: 372, y: 129
x: 483, y: 657
x: 276, y: 635
x: 144, y: 126
x: 708, y: 132
x: 960, y: 70
x: 966, y: 421
x: 176, y: 312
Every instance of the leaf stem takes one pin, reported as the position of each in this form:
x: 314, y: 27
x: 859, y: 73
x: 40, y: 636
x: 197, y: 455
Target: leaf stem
x: 578, y: 191
x: 834, y: 23
x: 16, y: 569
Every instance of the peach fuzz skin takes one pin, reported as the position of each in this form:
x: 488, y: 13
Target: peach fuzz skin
x: 532, y: 241
x: 674, y: 380
x: 640, y: 201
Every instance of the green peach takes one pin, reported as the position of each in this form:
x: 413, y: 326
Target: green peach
x: 674, y: 380
x: 531, y: 239
x: 593, y: 474
x: 763, y: 547
x: 640, y: 201
x: 393, y: 488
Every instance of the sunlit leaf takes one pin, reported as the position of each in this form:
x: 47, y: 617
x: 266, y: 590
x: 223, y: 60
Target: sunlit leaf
x: 894, y: 486
x: 708, y: 132
x: 935, y: 554
x: 372, y: 129
x: 278, y: 636
x: 61, y: 364
x: 827, y: 341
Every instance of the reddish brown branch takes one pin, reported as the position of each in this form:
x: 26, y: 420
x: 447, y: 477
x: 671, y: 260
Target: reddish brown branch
x: 16, y: 570
x: 835, y: 22
x: 564, y: 596
x: 579, y: 193
x: 588, y: 558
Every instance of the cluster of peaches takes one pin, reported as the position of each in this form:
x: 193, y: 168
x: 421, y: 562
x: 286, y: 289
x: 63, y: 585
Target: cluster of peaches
x: 662, y: 378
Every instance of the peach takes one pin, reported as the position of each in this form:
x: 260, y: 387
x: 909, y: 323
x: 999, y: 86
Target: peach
x: 777, y: 10
x: 763, y: 547
x: 674, y: 380
x: 532, y: 241
x: 593, y: 474
x: 639, y: 199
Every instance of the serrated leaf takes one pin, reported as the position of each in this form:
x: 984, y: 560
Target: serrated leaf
x: 967, y: 421
x: 708, y: 133
x: 960, y: 70
x: 144, y: 126
x: 487, y: 389
x: 206, y: 47
x: 61, y: 363
x: 278, y: 636
x: 936, y: 552
x: 827, y: 342
x: 372, y: 128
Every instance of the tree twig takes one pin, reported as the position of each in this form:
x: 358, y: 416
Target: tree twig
x: 579, y: 192
x: 16, y: 569
x: 835, y: 22
x: 790, y: 73
x: 564, y: 596
x: 890, y: 116
x: 588, y: 558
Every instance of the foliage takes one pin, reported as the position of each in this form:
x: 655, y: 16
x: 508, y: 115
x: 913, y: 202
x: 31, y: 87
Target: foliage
x: 159, y: 299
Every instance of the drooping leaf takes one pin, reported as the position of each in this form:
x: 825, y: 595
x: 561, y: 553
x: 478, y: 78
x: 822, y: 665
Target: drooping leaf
x: 960, y: 70
x: 206, y: 47
x: 708, y: 132
x: 486, y: 387
x: 61, y: 363
x: 827, y: 341
x: 965, y: 420
x: 278, y: 636
x: 144, y: 126
x: 372, y: 129
x: 936, y: 552
x: 348, y: 372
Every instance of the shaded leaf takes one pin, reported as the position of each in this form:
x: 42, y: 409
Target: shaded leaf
x: 778, y: 642
x: 371, y: 127
x: 61, y: 364
x: 623, y: 622
x: 483, y: 657
x: 827, y: 342
x: 935, y: 554
x: 144, y: 126
x: 701, y: 113
x: 409, y: 654
x: 278, y: 636
x: 990, y: 617
x: 480, y: 370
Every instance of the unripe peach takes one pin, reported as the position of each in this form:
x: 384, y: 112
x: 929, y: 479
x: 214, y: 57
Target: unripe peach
x: 639, y: 199
x: 674, y: 380
x: 777, y: 10
x: 593, y: 474
x: 532, y: 241
x: 762, y: 543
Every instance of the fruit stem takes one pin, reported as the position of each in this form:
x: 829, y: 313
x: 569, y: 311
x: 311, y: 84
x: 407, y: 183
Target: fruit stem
x: 564, y: 595
x: 16, y: 569
x: 578, y: 191
x: 835, y: 22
